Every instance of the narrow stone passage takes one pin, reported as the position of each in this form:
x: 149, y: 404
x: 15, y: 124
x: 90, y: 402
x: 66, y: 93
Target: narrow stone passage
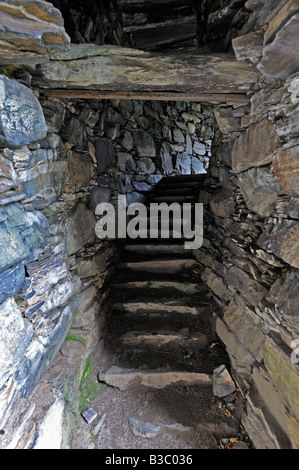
x: 160, y: 346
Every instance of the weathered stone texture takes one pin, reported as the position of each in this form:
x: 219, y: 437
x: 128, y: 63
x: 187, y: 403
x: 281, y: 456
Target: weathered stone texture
x: 282, y: 241
x: 114, y: 68
x: 282, y: 371
x: 260, y: 190
x: 284, y: 294
x: 285, y: 165
x: 80, y: 228
x: 280, y: 57
x: 21, y: 117
x: 254, y: 147
x: 31, y: 32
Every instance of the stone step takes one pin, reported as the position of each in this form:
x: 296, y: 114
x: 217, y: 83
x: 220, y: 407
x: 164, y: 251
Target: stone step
x: 161, y: 266
x: 185, y: 288
x: 178, y: 185
x: 173, y: 198
x: 182, y: 178
x: 125, y: 379
x: 166, y: 234
x: 156, y: 340
x: 163, y: 306
x: 144, y: 249
x: 169, y: 191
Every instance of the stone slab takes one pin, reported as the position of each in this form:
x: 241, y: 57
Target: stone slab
x: 21, y: 117
x: 125, y: 379
x: 255, y: 146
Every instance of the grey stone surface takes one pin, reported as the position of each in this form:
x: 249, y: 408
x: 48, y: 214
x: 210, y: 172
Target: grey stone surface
x: 178, y: 136
x: 183, y: 164
x: 11, y: 281
x: 99, y: 195
x: 280, y: 57
x: 80, y: 228
x: 143, y: 429
x: 222, y: 203
x: 21, y: 116
x: 166, y: 159
x: 285, y: 295
x: 199, y: 148
x: 145, y: 143
x: 23, y: 235
x: 80, y: 169
x: 126, y: 162
x: 281, y: 240
x: 105, y: 155
x: 223, y: 384
x: 146, y: 165
x: 260, y: 190
x: 16, y: 335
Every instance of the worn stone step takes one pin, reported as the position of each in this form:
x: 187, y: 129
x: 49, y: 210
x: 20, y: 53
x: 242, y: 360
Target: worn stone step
x: 144, y: 249
x: 185, y: 288
x: 160, y: 266
x: 166, y: 234
x: 163, y: 306
x: 159, y: 339
x: 173, y: 198
x: 169, y: 191
x: 178, y: 184
x: 125, y: 379
x: 183, y: 178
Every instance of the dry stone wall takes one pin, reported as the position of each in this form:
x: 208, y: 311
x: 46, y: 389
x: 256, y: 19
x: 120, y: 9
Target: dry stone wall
x: 136, y: 143
x: 67, y: 156
x: 250, y: 256
x: 53, y: 270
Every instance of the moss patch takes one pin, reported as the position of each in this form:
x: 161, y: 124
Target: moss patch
x: 89, y: 386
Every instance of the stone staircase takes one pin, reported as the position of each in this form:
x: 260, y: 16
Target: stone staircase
x: 160, y: 333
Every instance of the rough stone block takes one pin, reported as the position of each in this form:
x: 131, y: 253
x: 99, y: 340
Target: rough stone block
x: 16, y: 334
x: 281, y: 56
x: 255, y: 146
x: 21, y: 117
x: 282, y: 241
x: 285, y: 165
x: 216, y: 284
x: 271, y: 398
x: 105, y: 155
x: 223, y: 384
x: 80, y: 228
x: 145, y: 143
x: 251, y: 290
x: 247, y: 331
x: 99, y: 195
x: 283, y: 371
x: 23, y: 236
x: 260, y: 190
x: 166, y: 159
x: 183, y: 164
x: 31, y: 32
x: 241, y: 359
x: 264, y: 434
x: 146, y: 165
x: 8, y: 175
x: 222, y: 203
x: 226, y: 120
x: 11, y: 280
x: 285, y: 295
x: 80, y: 169
x: 249, y: 46
x: 126, y: 162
